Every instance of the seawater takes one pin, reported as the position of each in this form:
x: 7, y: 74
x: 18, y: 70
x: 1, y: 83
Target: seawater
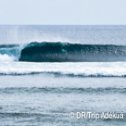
x: 46, y: 93
x: 49, y: 100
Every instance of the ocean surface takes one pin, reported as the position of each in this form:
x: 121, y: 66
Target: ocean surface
x: 48, y: 73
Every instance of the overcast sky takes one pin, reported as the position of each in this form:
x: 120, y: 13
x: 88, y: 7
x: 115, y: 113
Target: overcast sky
x: 63, y: 12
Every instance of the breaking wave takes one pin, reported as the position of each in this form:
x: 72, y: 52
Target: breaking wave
x: 68, y: 52
x: 9, y: 53
x: 62, y: 52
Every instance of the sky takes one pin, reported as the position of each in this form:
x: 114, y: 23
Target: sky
x: 63, y: 12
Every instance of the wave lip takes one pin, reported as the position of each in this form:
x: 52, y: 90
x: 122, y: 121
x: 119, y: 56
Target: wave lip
x: 68, y: 52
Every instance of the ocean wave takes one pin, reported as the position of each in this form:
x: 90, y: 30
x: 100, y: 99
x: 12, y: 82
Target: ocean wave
x: 62, y: 52
x: 29, y: 114
x: 58, y: 74
x: 68, y: 52
x: 61, y: 90
x: 9, y: 52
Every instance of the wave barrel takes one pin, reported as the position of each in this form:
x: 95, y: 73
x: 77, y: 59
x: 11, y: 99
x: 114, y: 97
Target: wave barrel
x: 67, y: 52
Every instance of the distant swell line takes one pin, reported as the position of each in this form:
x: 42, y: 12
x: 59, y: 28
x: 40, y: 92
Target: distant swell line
x: 28, y: 114
x: 59, y: 74
x: 62, y: 90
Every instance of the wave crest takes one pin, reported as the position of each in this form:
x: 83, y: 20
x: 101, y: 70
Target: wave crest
x: 68, y: 52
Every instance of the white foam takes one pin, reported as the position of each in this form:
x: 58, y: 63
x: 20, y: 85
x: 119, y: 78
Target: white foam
x: 6, y: 58
x: 83, y: 68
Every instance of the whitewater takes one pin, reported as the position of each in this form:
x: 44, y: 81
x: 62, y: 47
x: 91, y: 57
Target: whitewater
x: 79, y: 69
